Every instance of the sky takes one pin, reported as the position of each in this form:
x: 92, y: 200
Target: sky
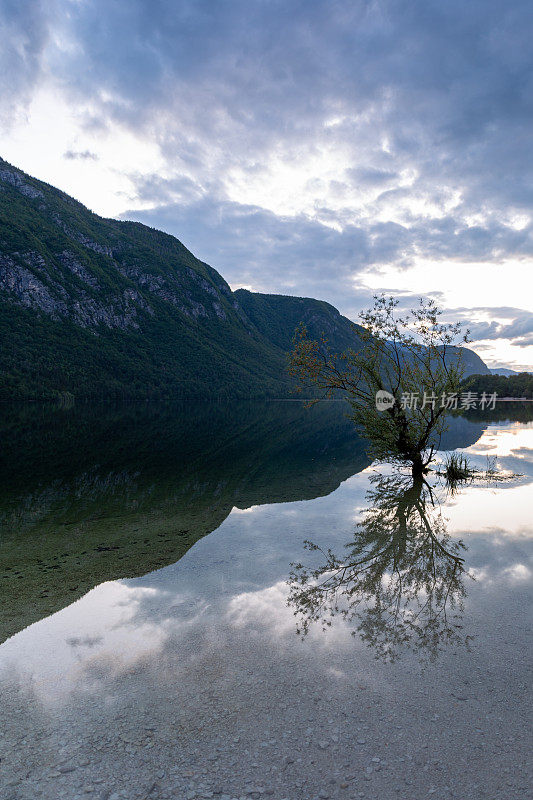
x: 322, y: 149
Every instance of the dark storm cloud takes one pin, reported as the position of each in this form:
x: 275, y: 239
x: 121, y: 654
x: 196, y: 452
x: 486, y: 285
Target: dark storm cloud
x: 429, y: 103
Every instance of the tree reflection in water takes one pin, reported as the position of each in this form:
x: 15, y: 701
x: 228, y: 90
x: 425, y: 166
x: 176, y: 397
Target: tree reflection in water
x: 401, y: 581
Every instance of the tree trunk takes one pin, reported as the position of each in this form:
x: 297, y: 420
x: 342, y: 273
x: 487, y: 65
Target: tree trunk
x: 417, y: 465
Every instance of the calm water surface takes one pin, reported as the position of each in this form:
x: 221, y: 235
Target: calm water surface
x: 147, y: 555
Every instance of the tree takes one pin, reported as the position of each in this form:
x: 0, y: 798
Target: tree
x: 412, y: 362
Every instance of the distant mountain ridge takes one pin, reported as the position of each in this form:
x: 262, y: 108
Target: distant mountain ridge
x: 104, y: 309
x: 505, y: 371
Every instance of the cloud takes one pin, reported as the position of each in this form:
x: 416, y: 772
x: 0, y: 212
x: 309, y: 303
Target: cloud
x: 523, y: 341
x: 409, y: 126
x: 371, y: 176
x: 517, y: 329
x: 227, y: 84
x: 442, y: 91
x: 82, y: 155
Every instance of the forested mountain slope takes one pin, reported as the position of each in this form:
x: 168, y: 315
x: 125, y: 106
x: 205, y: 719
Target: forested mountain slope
x: 276, y: 316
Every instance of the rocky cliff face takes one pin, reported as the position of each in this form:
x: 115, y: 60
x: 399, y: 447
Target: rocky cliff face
x: 23, y: 286
x: 16, y: 179
x: 36, y: 278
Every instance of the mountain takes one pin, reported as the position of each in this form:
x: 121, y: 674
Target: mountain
x: 472, y: 363
x: 505, y: 371
x: 102, y: 309
x: 276, y: 316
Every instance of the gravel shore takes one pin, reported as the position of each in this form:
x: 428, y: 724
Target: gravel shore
x: 235, y: 712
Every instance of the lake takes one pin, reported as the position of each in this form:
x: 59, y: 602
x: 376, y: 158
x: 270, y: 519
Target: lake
x: 156, y: 646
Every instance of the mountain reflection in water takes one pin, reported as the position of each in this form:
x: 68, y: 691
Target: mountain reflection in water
x: 94, y: 494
